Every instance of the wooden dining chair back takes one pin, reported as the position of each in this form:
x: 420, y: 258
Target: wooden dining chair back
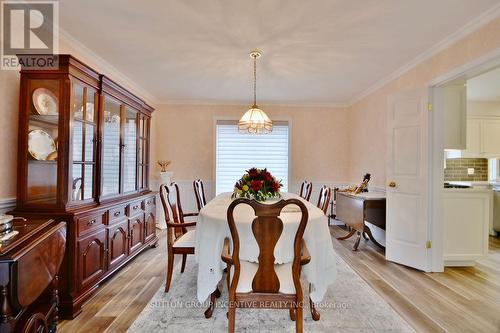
x: 199, y: 192
x: 306, y: 190
x: 272, y: 286
x: 180, y: 240
x: 325, y: 195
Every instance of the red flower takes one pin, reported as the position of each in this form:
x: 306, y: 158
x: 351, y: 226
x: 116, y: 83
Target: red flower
x: 267, y: 176
x: 253, y: 173
x: 275, y: 186
x: 256, y: 185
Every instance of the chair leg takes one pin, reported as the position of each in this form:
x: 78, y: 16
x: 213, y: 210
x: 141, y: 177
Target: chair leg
x: 184, y: 257
x: 228, y: 276
x: 170, y: 268
x: 231, y: 318
x: 293, y: 316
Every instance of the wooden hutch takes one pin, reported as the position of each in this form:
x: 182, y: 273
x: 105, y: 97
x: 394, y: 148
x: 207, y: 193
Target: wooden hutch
x: 93, y: 175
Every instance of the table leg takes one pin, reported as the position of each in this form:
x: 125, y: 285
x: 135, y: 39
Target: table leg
x: 370, y: 235
x: 211, y: 306
x: 314, y: 313
x: 349, y: 235
x: 356, y: 243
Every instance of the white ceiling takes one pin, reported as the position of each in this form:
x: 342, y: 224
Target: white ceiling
x: 485, y: 87
x: 321, y: 52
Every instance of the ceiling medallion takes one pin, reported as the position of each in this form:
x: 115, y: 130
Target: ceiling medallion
x: 255, y: 121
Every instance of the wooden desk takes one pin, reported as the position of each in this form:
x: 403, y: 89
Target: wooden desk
x: 355, y: 209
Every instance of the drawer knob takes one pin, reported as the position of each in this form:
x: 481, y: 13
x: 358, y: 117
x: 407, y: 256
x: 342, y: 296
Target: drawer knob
x: 135, y: 207
x: 392, y: 184
x: 91, y: 222
x: 116, y: 214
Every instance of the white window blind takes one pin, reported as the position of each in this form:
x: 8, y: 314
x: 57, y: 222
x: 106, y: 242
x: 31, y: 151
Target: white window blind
x: 237, y: 152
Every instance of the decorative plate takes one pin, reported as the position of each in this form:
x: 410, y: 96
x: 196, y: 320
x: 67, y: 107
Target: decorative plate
x: 40, y: 144
x: 45, y: 102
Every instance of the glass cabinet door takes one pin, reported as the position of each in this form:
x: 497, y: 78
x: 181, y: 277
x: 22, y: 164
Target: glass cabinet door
x: 111, y: 146
x: 84, y: 131
x: 42, y: 111
x: 143, y: 163
x: 130, y: 150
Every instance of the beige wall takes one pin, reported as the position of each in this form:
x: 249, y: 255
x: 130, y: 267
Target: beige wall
x: 184, y: 134
x: 368, y: 146
x: 328, y: 144
x: 9, y: 101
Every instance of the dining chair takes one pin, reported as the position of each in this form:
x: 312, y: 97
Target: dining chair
x: 306, y: 190
x: 180, y: 240
x: 199, y: 192
x: 325, y: 194
x: 266, y: 284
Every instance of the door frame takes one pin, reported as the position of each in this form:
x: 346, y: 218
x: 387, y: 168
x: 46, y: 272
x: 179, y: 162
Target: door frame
x: 436, y: 152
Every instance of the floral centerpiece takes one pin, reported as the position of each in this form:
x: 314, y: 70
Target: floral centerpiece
x: 257, y: 184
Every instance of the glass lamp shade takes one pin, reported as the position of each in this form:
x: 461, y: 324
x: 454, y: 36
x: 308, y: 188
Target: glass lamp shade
x: 255, y: 121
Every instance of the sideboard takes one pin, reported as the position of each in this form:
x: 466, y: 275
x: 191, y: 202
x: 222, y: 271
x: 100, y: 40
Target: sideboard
x: 29, y: 262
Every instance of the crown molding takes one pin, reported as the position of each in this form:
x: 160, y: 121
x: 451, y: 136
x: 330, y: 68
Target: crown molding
x: 466, y: 30
x: 174, y: 102
x: 111, y: 71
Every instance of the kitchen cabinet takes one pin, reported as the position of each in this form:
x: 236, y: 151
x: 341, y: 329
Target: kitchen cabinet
x: 468, y: 214
x: 452, y: 99
x: 473, y: 138
x: 490, y: 137
x: 483, y: 137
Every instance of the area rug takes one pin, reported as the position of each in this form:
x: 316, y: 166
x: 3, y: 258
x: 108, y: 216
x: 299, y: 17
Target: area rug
x: 350, y: 305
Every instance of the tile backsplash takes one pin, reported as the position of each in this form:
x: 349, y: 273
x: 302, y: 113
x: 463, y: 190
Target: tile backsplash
x: 456, y: 169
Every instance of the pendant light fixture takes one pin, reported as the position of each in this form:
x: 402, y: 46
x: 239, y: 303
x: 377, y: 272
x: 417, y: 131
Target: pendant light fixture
x: 255, y: 120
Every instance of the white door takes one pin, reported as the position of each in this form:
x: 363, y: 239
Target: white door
x: 407, y: 180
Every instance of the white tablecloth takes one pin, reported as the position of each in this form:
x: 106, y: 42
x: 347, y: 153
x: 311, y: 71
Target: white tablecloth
x: 212, y: 229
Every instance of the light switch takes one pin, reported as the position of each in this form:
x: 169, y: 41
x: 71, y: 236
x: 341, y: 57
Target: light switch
x: 470, y: 171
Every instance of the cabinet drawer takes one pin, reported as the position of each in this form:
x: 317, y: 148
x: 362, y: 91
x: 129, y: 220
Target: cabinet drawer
x: 86, y: 224
x: 148, y: 203
x: 116, y: 213
x: 134, y: 208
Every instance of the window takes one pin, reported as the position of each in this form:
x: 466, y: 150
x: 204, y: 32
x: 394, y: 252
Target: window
x: 237, y: 152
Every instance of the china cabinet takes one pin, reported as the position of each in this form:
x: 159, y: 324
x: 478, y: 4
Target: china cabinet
x: 83, y: 158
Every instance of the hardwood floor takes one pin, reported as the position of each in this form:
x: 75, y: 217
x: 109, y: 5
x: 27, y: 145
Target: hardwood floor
x: 120, y: 300
x: 458, y: 300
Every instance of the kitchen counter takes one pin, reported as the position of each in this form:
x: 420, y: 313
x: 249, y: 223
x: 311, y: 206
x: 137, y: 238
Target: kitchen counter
x: 476, y: 184
x: 470, y: 189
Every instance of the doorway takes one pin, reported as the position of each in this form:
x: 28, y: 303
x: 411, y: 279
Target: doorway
x: 465, y: 162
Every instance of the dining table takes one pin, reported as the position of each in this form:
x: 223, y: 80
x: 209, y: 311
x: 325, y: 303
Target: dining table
x: 212, y: 229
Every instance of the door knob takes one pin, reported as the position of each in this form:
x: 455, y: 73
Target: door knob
x: 392, y: 184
